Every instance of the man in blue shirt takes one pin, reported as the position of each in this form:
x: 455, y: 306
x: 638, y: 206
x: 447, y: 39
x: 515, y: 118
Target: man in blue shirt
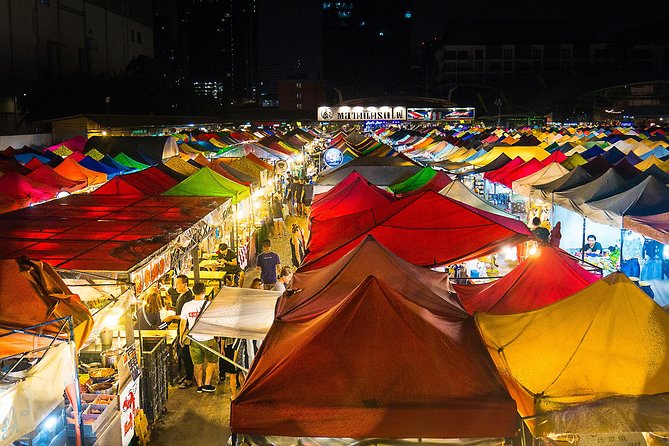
x: 269, y: 264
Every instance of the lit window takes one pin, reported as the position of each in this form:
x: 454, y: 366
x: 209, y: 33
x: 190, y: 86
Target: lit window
x: 298, y: 84
x: 298, y: 95
x: 381, y: 33
x: 327, y: 5
x: 407, y: 15
x: 299, y: 106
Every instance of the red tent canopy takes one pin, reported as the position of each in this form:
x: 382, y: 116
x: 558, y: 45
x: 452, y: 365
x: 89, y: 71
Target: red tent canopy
x: 525, y: 169
x: 100, y: 232
x: 399, y: 371
x: 33, y: 164
x: 356, y: 196
x: 260, y: 162
x: 508, y: 167
x: 45, y: 174
x: 322, y: 289
x: 151, y: 181
x: 540, y: 280
x: 18, y: 187
x: 351, y: 177
x: 425, y: 229
x: 555, y: 157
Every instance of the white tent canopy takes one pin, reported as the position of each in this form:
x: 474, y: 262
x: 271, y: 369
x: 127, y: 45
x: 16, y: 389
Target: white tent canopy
x: 549, y: 173
x: 238, y: 313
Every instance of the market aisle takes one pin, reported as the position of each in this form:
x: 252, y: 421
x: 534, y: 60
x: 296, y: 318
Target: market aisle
x: 204, y: 419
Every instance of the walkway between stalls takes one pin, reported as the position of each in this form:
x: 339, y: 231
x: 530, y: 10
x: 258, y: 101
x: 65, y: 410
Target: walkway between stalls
x: 194, y: 418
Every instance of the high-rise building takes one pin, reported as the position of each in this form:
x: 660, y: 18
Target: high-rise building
x: 220, y: 45
x: 367, y: 46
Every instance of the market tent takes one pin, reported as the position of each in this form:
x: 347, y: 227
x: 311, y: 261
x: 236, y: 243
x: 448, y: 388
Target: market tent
x: 419, y: 179
x: 238, y: 175
x: 575, y: 178
x: 649, y: 197
x: 111, y: 162
x: 652, y: 226
x: 553, y: 270
x: 459, y: 192
x: 178, y: 165
x: 492, y: 175
x: 525, y: 152
x: 555, y: 157
x: 31, y: 293
x: 437, y: 183
x: 124, y: 159
x: 497, y: 163
x: 597, y: 166
x: 583, y: 364
x: 522, y: 171
x: 23, y: 189
x: 238, y: 313
x: 103, y: 233
x: 446, y: 386
x: 611, y: 183
x: 549, y: 173
x: 426, y: 229
x: 573, y: 161
x: 71, y: 169
x: 377, y: 170
x: 75, y: 144
x: 207, y: 183
x: 151, y: 181
x: 318, y: 290
x: 147, y: 149
x: 90, y: 163
x: 34, y: 164
x: 357, y: 196
x: 45, y: 174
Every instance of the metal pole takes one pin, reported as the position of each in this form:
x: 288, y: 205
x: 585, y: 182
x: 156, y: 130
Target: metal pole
x: 622, y: 240
x: 196, y: 263
x: 80, y: 436
x: 583, y: 242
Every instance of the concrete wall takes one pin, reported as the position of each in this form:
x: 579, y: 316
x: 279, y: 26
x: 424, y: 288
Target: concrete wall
x: 18, y: 141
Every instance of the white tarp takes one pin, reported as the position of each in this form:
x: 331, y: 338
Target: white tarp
x: 238, y: 313
x: 25, y: 404
x: 459, y: 192
x: 549, y: 173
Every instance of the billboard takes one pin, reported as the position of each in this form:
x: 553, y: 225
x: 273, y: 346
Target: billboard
x: 385, y: 113
x: 440, y: 114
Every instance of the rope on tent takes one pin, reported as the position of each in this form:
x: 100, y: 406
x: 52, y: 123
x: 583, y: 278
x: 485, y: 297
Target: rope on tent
x: 218, y: 354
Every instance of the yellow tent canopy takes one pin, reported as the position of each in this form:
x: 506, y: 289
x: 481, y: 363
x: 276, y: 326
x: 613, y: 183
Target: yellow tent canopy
x: 597, y: 361
x: 525, y: 152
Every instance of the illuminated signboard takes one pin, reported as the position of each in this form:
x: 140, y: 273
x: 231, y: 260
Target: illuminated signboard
x: 440, y: 114
x: 384, y: 113
x: 333, y: 157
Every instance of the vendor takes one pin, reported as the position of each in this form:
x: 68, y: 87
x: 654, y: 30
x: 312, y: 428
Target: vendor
x: 227, y: 258
x: 148, y: 315
x: 592, y: 247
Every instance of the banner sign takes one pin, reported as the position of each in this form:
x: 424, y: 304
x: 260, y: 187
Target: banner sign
x: 384, y: 113
x: 154, y: 270
x: 440, y: 114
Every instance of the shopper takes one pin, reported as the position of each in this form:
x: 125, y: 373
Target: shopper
x: 202, y: 345
x: 296, y: 245
x: 181, y: 296
x: 285, y: 276
x: 227, y: 259
x: 277, y: 217
x: 256, y: 284
x: 269, y: 263
x: 148, y: 314
x: 539, y: 231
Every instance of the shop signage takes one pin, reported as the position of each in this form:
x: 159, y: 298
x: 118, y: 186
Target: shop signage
x: 345, y: 113
x: 440, y: 114
x: 333, y: 157
x: 129, y: 405
x: 152, y: 271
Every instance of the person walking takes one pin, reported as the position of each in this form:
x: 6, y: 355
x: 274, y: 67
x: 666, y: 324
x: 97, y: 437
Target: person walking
x: 202, y: 357
x: 269, y: 263
x: 181, y: 295
x: 296, y: 245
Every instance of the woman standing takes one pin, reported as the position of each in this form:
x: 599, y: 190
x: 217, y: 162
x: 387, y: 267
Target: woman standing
x: 148, y: 316
x: 296, y: 245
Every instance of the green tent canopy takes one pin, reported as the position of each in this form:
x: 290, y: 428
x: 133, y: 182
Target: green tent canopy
x: 207, y: 183
x: 124, y: 159
x: 419, y: 179
x: 574, y: 160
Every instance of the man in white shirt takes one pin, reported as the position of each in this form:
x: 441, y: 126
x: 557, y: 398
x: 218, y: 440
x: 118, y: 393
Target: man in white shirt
x: 200, y: 355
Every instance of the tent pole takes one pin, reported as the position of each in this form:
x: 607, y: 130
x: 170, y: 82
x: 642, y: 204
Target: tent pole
x: 552, y: 209
x: 622, y: 240
x: 236, y: 241
x: 583, y: 242
x: 196, y: 264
